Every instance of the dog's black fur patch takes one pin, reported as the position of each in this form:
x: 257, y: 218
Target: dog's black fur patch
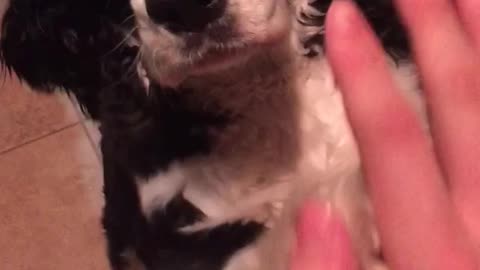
x: 79, y: 47
x: 65, y: 43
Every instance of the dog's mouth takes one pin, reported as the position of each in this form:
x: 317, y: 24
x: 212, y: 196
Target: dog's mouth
x: 235, y: 35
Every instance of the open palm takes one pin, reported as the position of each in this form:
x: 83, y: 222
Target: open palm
x: 426, y: 199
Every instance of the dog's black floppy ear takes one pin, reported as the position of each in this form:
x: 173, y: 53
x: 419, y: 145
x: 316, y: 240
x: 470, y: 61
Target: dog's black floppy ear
x: 62, y: 44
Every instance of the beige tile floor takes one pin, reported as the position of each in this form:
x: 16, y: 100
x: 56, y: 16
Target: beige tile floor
x: 50, y: 184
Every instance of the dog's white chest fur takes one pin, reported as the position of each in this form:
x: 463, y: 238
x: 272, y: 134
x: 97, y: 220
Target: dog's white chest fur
x: 293, y: 142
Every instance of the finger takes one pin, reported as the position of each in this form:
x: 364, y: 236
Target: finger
x: 404, y: 180
x: 435, y: 29
x: 469, y: 11
x: 450, y: 68
x: 322, y: 241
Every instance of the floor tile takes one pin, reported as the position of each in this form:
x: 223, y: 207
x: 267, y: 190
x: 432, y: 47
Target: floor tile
x: 26, y: 115
x: 50, y: 205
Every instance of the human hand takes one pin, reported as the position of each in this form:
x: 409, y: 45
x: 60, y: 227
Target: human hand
x: 426, y: 199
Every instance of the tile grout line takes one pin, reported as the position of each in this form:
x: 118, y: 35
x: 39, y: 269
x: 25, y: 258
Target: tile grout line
x: 13, y: 148
x: 52, y: 132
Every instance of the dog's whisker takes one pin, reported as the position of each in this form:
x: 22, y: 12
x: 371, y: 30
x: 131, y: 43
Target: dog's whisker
x: 131, y: 17
x: 127, y: 37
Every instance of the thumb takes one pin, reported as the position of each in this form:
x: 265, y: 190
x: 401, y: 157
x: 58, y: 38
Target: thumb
x: 322, y: 241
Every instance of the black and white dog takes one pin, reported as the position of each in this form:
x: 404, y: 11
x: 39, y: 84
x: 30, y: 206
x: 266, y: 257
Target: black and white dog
x: 217, y: 118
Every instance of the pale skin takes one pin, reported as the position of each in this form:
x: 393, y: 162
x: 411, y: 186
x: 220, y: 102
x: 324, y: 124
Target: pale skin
x: 426, y: 200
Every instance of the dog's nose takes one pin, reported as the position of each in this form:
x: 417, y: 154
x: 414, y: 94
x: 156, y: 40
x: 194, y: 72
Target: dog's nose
x: 185, y: 15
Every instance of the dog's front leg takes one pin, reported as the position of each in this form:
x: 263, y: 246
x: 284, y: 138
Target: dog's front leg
x: 122, y: 218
